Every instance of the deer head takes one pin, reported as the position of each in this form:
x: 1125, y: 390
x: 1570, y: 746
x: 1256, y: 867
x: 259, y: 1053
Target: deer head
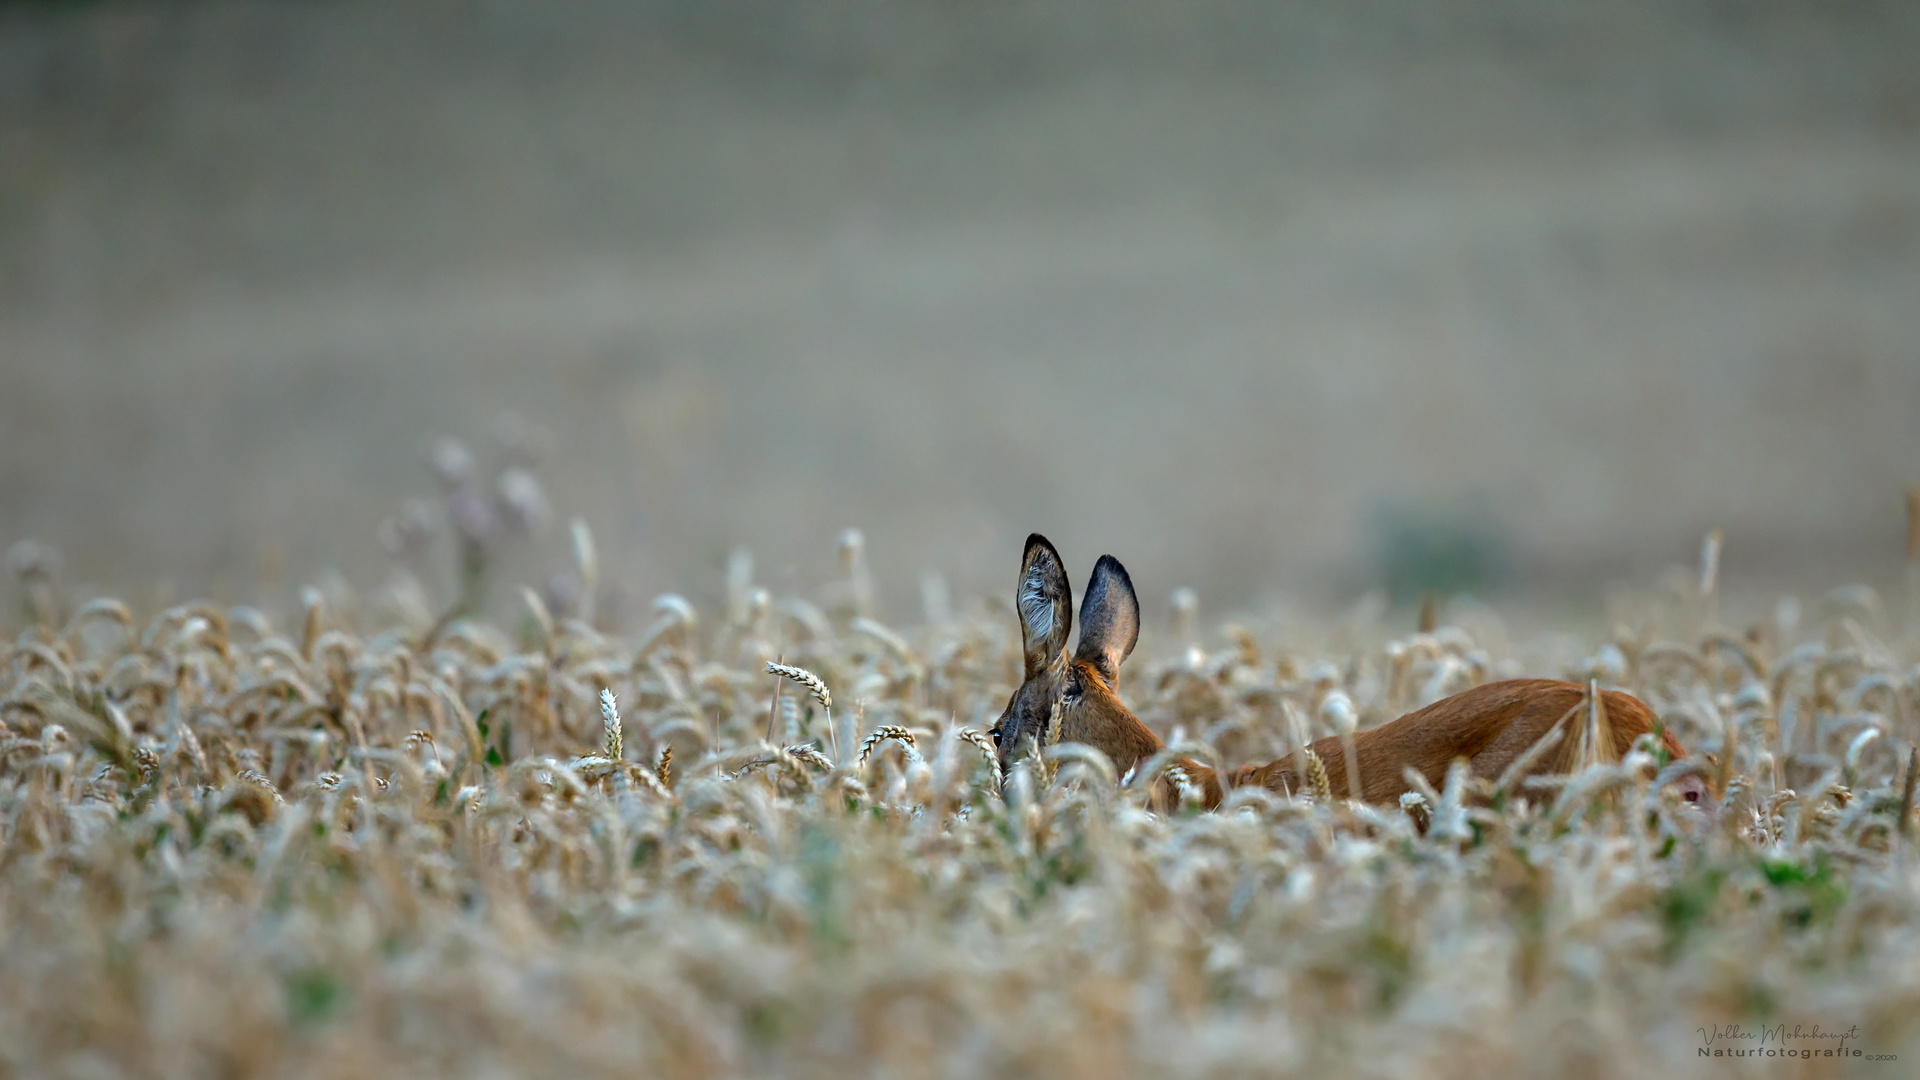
x: 1072, y: 698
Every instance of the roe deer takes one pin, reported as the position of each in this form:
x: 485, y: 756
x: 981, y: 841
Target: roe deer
x: 1072, y: 699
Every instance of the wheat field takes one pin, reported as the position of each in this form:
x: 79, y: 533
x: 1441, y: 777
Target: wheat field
x: 368, y: 841
x: 1278, y: 302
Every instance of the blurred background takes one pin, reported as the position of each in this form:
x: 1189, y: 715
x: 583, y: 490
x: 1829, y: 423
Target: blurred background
x: 1263, y: 297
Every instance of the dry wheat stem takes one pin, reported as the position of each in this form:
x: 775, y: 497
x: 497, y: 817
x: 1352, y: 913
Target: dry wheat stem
x: 773, y: 706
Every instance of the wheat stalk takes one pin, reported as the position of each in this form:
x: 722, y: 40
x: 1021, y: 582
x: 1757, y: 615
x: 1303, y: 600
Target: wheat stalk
x: 805, y: 678
x: 262, y: 781
x: 1317, y: 778
x: 1416, y: 806
x: 985, y: 746
x: 1523, y: 765
x: 881, y: 734
x: 811, y: 754
x: 773, y: 706
x: 1907, y: 791
x: 145, y: 761
x: 610, y: 717
x: 815, y: 686
x: 1338, y: 709
x: 1596, y: 744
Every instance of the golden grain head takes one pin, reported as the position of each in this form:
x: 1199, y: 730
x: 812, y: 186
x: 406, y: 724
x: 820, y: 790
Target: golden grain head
x: 1317, y: 779
x: 610, y: 719
x: 814, y: 684
x: 883, y: 733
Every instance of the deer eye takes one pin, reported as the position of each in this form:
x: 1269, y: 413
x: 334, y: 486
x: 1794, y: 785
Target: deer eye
x: 996, y: 736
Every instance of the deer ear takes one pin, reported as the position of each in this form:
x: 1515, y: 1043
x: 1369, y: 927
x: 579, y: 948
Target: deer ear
x: 1109, y: 618
x: 1045, y: 601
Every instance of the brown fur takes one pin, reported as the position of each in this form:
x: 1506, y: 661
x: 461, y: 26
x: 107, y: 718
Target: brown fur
x: 1490, y: 726
x: 1100, y: 720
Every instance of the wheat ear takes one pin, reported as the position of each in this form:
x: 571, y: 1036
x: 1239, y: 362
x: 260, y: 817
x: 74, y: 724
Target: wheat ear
x: 883, y: 732
x: 610, y: 713
x: 1317, y: 775
x: 985, y: 746
x: 815, y: 687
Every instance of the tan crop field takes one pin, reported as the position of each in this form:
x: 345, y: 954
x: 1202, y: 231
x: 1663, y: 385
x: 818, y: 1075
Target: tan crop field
x: 1395, y: 346
x: 362, y: 844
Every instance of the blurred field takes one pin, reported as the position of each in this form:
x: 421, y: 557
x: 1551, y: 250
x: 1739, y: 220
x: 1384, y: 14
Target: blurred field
x: 1264, y: 298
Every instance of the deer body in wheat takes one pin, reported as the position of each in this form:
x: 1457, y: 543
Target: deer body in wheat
x: 1072, y: 698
